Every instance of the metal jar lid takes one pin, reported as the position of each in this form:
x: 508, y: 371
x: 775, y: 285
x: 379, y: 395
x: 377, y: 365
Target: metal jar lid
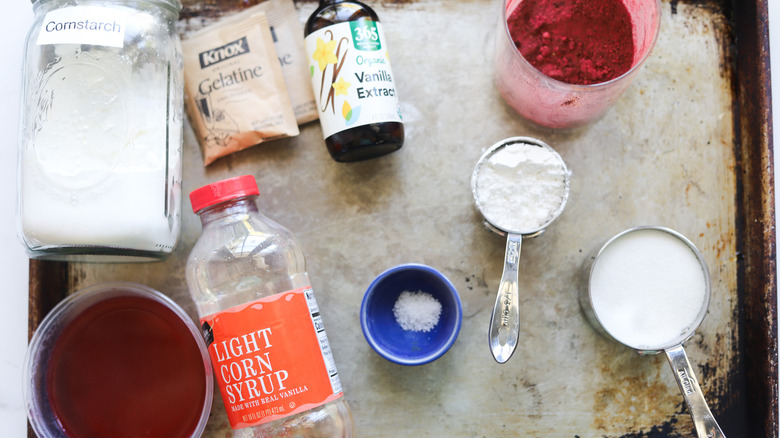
x: 172, y: 5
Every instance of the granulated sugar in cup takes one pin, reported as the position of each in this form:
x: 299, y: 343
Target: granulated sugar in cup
x: 649, y: 289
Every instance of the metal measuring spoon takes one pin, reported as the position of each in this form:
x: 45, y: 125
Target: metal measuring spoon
x: 646, y: 335
x: 511, y: 219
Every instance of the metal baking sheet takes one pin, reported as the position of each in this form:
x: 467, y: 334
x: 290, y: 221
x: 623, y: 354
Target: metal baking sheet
x: 687, y: 146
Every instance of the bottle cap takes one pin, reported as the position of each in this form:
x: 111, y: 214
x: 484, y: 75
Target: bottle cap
x: 222, y: 191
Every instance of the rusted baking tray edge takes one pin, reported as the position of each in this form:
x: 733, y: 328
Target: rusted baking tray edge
x: 757, y: 279
x: 757, y: 274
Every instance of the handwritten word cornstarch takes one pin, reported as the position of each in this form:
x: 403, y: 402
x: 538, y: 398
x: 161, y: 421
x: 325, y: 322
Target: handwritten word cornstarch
x: 417, y: 311
x: 647, y: 289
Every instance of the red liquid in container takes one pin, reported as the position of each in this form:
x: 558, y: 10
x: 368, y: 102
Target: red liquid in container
x: 127, y: 367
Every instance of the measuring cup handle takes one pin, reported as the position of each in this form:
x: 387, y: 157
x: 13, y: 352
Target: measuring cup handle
x: 704, y: 422
x: 505, y: 320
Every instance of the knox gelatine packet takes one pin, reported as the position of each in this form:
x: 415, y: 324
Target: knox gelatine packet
x: 271, y: 358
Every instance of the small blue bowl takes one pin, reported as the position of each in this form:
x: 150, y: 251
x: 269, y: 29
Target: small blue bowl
x: 385, y: 335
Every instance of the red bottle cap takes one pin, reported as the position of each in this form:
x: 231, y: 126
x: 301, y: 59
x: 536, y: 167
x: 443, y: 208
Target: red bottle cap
x: 222, y: 191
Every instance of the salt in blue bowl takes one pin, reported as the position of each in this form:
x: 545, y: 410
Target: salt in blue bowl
x: 385, y: 335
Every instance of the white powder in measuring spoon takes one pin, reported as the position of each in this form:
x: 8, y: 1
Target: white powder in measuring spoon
x: 417, y: 311
x: 521, y: 186
x: 647, y: 289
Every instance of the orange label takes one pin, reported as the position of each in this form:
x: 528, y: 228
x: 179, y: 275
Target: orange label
x: 271, y: 358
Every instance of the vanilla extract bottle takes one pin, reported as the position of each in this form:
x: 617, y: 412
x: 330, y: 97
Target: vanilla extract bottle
x: 354, y: 87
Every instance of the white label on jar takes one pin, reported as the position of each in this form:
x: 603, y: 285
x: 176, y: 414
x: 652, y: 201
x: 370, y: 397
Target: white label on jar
x: 84, y: 25
x: 351, y: 76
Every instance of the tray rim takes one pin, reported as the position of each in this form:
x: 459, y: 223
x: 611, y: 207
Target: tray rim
x: 756, y: 218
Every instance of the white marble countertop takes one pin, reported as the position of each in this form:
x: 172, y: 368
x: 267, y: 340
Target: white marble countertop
x: 14, y: 23
x: 13, y: 262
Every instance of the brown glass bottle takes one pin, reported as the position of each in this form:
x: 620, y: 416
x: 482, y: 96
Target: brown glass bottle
x: 365, y: 141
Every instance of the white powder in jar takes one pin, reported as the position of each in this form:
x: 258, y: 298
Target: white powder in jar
x: 647, y: 289
x: 417, y: 311
x: 100, y: 166
x: 521, y: 187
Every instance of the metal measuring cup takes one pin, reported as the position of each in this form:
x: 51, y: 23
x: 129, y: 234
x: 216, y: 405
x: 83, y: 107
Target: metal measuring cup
x: 504, y: 328
x: 703, y: 420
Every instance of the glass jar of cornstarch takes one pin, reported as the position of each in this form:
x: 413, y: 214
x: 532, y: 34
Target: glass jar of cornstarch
x: 100, y: 131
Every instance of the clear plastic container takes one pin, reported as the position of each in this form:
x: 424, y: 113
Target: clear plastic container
x: 551, y: 103
x: 91, y: 370
x: 101, y: 131
x: 247, y: 276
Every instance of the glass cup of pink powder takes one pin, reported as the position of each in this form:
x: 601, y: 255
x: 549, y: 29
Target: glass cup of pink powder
x: 562, y: 64
x: 411, y: 314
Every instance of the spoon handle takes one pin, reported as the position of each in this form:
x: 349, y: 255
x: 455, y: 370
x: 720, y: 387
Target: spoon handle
x: 703, y: 421
x: 505, y: 320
